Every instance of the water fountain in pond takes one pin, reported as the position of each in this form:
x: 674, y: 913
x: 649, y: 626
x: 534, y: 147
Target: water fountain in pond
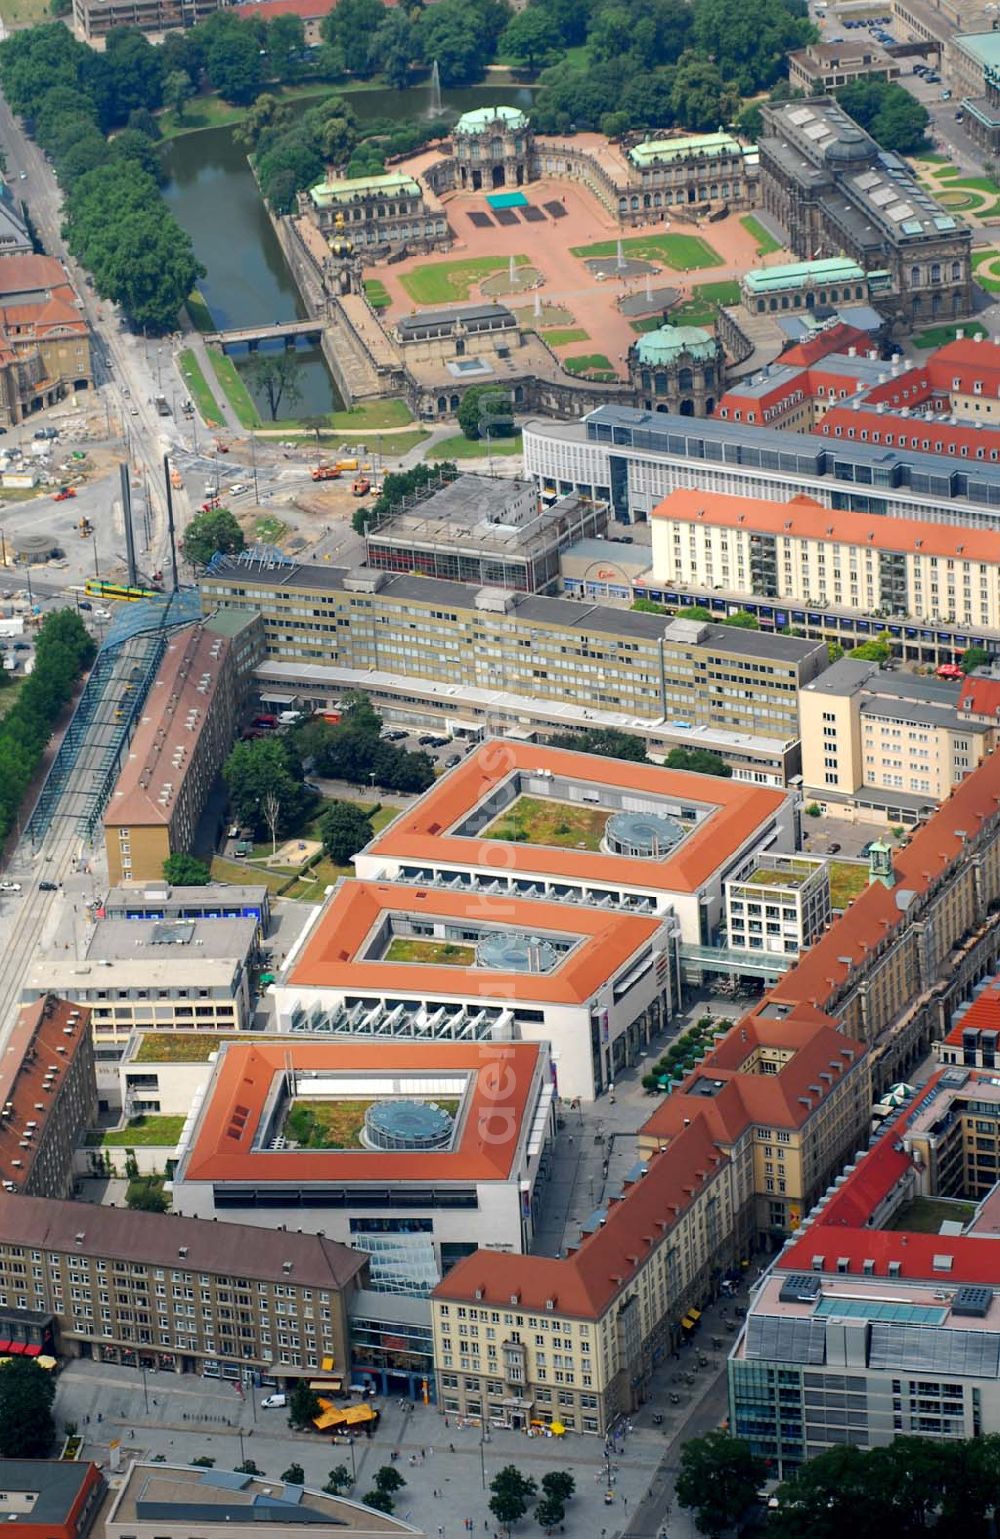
x: 621, y: 255
x: 649, y: 289
x: 538, y: 307
x: 512, y: 274
x: 434, y: 110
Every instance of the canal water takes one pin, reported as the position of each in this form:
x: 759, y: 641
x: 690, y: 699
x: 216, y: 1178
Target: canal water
x: 214, y: 197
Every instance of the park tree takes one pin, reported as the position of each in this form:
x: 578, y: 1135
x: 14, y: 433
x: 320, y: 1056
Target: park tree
x: 267, y: 116
x: 550, y: 1512
x: 395, y: 47
x: 303, y: 1407
x: 286, y: 47
x: 700, y: 97
x: 262, y: 768
x: 210, y: 533
x: 276, y: 377
x: 27, y: 1429
x: 486, y: 411
x: 339, y: 1479
x: 350, y: 27
x: 457, y: 34
x: 699, y: 760
x: 182, y: 870
x: 294, y: 1475
x: 750, y: 45
x: 559, y: 1483
x: 232, y: 57
x: 973, y: 657
x: 178, y: 89
x: 344, y: 830
x: 718, y: 1480
x: 388, y: 1478
x: 886, y: 110
x: 531, y: 38
x: 511, y: 1495
x: 608, y: 742
x: 136, y: 70
x: 381, y: 1500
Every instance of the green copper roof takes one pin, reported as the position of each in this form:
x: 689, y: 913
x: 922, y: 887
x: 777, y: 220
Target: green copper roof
x: 668, y: 342
x: 792, y: 275
x: 393, y: 182
x: 485, y: 118
x: 659, y: 151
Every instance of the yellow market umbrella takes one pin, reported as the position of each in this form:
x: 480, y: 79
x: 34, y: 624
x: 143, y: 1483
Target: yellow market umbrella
x: 556, y: 1428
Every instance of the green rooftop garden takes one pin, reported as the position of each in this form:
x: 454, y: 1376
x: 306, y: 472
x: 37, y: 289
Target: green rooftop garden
x: 148, y: 1132
x: 415, y: 948
x: 537, y: 820
x: 181, y: 1046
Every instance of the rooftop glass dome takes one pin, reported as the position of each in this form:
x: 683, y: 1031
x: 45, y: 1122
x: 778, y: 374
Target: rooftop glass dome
x: 407, y: 1125
x: 516, y: 953
x: 642, y: 835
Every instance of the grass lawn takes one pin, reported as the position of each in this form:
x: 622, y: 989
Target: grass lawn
x: 925, y: 1215
x: 703, y: 308
x: 201, y: 316
x: 933, y: 159
x: 440, y: 283
x: 992, y: 285
x: 238, y: 395
x: 377, y: 294
x: 536, y: 820
x: 157, y: 1132
x: 937, y: 336
x: 462, y: 448
x: 201, y: 394
x: 326, y: 1124
x: 589, y: 363
x: 270, y: 529
x: 848, y: 878
x: 210, y: 111
x: 180, y: 1046
x: 25, y: 13
x: 766, y: 242
x: 9, y: 694
x: 409, y: 948
x: 383, y: 817
x: 681, y: 252
x: 392, y: 447
x: 647, y: 323
x: 373, y: 414
x: 239, y: 871
x: 559, y: 338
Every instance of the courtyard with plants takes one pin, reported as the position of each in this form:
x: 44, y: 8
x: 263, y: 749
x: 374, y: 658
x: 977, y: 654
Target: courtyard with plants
x: 438, y: 953
x: 536, y: 820
x: 684, y: 1054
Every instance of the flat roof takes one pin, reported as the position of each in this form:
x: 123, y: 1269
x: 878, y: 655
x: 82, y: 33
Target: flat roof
x: 56, y: 974
x: 474, y: 316
x: 788, y: 275
x: 150, y: 894
x: 141, y: 940
x: 173, y: 718
x: 983, y: 46
x: 486, y: 1144
x: 603, y: 943
x: 178, y: 1498
x: 422, y: 832
x: 55, y: 1483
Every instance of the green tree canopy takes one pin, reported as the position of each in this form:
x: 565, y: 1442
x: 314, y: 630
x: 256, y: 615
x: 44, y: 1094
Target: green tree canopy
x: 344, y: 830
x: 701, y: 760
x: 210, y: 532
x: 751, y: 45
x: 973, y: 657
x: 294, y: 1475
x: 145, y: 1194
x: 718, y: 1481
x: 485, y: 409
x: 395, y: 47
x: 231, y: 53
x: 742, y: 620
x: 276, y: 377
x: 606, y: 741
x: 303, y: 1405
x: 182, y: 870
x: 700, y: 97
x: 531, y: 38
x: 27, y: 1429
x: 894, y: 118
x: 877, y: 651
x: 511, y: 1495
x: 261, y: 769
x: 339, y: 1479
x: 351, y: 27
x: 136, y: 70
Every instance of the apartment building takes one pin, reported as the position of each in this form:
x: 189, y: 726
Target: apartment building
x: 887, y: 746
x: 974, y: 1037
x: 400, y: 961
x: 798, y: 553
x: 44, y: 336
x: 576, y: 1339
x: 94, y: 19
x: 48, y: 1096
x: 451, y: 1151
x: 668, y: 839
x: 222, y: 1300
x: 867, y: 1327
x: 186, y: 730
x: 777, y: 903
x: 636, y: 666
x: 50, y: 1498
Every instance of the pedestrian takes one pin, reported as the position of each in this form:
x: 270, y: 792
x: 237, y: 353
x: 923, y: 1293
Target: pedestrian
x: 451, y: 1446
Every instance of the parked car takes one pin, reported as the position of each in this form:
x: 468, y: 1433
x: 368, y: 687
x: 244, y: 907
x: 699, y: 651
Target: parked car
x: 452, y: 760
x: 8, y: 886
x: 82, y: 604
x: 394, y: 735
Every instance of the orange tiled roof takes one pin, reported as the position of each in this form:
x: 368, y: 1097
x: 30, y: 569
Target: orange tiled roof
x: 47, y: 1032
x: 331, y: 956
x: 487, y: 1142
x: 422, y: 832
x: 805, y: 519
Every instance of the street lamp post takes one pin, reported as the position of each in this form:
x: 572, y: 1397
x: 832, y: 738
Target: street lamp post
x: 145, y: 1389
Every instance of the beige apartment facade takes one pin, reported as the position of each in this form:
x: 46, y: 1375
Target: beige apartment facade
x: 874, y: 742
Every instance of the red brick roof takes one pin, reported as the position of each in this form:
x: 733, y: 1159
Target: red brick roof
x: 981, y: 1014
x: 979, y: 695
x: 46, y: 1036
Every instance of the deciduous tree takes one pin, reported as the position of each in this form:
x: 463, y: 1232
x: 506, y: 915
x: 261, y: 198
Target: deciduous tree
x: 208, y: 533
x: 27, y: 1429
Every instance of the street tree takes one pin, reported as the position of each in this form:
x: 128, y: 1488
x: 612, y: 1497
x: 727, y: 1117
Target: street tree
x: 381, y: 1500
x: 27, y: 1429
x: 248, y: 1467
x: 388, y: 1478
x: 339, y: 1479
x: 701, y: 761
x: 275, y: 376
x: 550, y: 1512
x: 209, y: 533
x: 303, y: 1406
x: 743, y: 620
x: 559, y: 1483
x: 973, y: 657
x: 263, y: 767
x: 271, y: 809
x: 511, y: 1496
x: 294, y: 1475
x: 182, y: 870
x: 344, y: 830
x: 718, y: 1481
